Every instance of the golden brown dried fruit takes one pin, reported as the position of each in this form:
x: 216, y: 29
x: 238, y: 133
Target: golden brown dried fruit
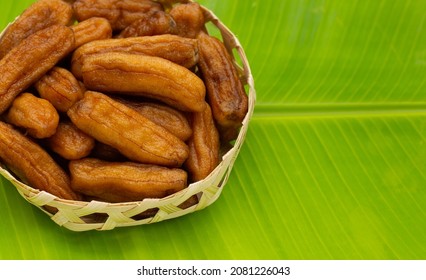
x: 148, y: 76
x: 204, y: 146
x: 41, y: 14
x: 189, y: 19
x: 150, y: 24
x: 182, y: 51
x: 171, y: 119
x: 36, y: 115
x: 91, y: 29
x: 60, y: 87
x: 132, y: 10
x: 31, y: 59
x: 121, y: 127
x: 126, y: 181
x: 225, y: 92
x: 32, y: 164
x: 85, y: 9
x: 120, y: 13
x: 70, y: 142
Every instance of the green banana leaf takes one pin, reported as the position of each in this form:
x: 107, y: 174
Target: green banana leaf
x: 334, y: 162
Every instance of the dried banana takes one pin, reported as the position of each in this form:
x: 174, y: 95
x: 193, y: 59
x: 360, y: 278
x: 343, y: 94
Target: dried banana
x: 124, y: 181
x: 182, y: 51
x: 36, y: 115
x: 121, y: 127
x: 148, y: 76
x: 38, y: 16
x: 225, y: 91
x: 32, y: 164
x: 31, y: 59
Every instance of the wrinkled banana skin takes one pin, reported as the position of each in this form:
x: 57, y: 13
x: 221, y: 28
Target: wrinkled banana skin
x: 121, y: 127
x: 147, y: 76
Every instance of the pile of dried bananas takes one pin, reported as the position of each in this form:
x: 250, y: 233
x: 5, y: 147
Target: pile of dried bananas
x: 115, y: 100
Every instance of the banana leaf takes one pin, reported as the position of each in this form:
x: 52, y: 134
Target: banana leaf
x: 334, y: 162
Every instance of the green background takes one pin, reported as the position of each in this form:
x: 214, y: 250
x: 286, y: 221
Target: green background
x: 334, y: 163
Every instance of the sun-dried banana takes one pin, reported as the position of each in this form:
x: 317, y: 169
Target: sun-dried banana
x: 92, y: 29
x: 182, y: 51
x: 31, y: 59
x: 204, y: 146
x: 125, y: 181
x: 171, y: 119
x: 121, y: 127
x: 148, y: 76
x: 38, y: 16
x: 150, y: 24
x: 120, y: 13
x: 225, y: 91
x: 32, y: 164
x: 60, y: 87
x: 35, y: 115
x: 70, y: 142
x: 189, y: 19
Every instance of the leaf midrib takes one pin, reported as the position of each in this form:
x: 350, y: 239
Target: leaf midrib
x: 290, y: 110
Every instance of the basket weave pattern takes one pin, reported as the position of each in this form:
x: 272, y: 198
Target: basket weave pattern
x: 95, y: 215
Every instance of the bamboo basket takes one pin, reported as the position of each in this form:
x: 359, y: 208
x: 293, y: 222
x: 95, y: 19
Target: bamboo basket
x: 96, y: 215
